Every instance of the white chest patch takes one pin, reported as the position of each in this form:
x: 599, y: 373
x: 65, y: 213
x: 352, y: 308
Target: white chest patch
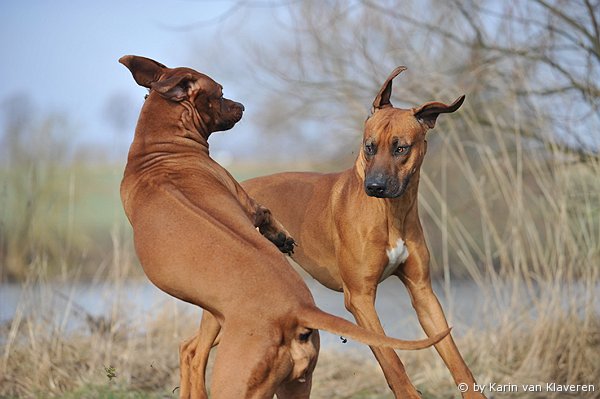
x: 396, y: 255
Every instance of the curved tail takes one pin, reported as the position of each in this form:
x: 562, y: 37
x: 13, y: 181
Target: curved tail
x: 317, y: 319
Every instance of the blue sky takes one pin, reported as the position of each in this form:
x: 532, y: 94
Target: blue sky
x: 63, y: 54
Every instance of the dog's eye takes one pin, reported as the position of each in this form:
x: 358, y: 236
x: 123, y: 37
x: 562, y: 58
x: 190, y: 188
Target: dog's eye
x: 304, y: 337
x: 369, y: 149
x: 402, y: 150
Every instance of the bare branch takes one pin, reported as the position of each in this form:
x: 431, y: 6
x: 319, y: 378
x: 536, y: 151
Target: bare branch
x: 566, y: 18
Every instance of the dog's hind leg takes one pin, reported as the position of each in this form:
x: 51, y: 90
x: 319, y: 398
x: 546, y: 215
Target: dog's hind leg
x: 195, y: 358
x: 249, y: 363
x: 295, y: 389
x: 300, y: 386
x: 186, y: 354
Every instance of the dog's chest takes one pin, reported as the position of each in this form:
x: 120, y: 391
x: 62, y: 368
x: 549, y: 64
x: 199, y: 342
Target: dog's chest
x: 396, y: 255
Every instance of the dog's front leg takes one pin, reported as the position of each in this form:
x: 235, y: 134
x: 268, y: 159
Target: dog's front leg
x: 267, y: 224
x: 415, y: 275
x: 359, y: 298
x: 273, y: 230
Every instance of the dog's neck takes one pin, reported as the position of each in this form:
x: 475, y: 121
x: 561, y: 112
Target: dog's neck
x: 170, y: 127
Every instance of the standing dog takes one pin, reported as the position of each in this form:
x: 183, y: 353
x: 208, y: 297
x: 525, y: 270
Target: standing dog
x: 351, y: 242
x: 195, y: 235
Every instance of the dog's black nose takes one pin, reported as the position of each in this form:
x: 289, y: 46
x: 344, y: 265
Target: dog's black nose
x: 375, y: 188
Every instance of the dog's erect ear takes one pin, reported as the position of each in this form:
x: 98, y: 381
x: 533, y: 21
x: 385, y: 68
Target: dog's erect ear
x: 144, y: 70
x: 383, y: 97
x: 428, y: 112
x: 175, y: 88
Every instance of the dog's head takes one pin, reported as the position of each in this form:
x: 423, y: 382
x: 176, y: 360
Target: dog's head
x: 394, y: 141
x: 184, y: 84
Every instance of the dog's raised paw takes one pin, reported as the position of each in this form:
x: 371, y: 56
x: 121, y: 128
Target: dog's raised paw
x: 285, y: 243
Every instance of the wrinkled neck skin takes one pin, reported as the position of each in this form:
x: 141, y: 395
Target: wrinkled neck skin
x: 168, y: 134
x: 167, y: 128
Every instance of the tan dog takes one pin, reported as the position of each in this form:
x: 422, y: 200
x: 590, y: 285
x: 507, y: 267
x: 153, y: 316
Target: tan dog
x: 351, y: 242
x: 195, y: 235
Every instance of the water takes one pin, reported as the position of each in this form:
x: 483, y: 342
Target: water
x: 466, y: 307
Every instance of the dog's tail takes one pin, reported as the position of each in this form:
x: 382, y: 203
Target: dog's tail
x: 317, y: 319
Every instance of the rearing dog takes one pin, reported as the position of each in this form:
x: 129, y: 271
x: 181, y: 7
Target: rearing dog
x: 351, y: 242
x: 195, y: 235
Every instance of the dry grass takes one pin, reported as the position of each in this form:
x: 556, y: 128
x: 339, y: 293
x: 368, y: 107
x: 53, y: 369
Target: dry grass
x: 521, y: 223
x: 52, y: 348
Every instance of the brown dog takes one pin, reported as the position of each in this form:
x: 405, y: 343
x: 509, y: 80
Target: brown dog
x: 195, y: 235
x: 351, y: 242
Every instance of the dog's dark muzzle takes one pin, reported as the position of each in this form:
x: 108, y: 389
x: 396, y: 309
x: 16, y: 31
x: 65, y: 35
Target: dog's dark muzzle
x: 382, y: 186
x: 238, y: 106
x: 235, y: 110
x: 376, y: 186
x: 231, y: 113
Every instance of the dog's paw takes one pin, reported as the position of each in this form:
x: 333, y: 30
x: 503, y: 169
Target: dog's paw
x: 274, y: 231
x: 285, y: 243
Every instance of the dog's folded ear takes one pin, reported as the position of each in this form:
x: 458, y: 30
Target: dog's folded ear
x: 148, y: 73
x: 144, y: 70
x: 174, y: 88
x: 427, y: 113
x: 383, y: 97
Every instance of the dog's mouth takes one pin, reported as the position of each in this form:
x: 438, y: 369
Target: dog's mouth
x: 230, y: 122
x: 232, y: 116
x: 388, y: 188
x: 237, y: 114
x: 386, y: 194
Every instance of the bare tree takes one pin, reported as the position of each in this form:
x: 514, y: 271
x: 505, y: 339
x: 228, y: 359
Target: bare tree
x: 530, y: 71
x: 542, y: 56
